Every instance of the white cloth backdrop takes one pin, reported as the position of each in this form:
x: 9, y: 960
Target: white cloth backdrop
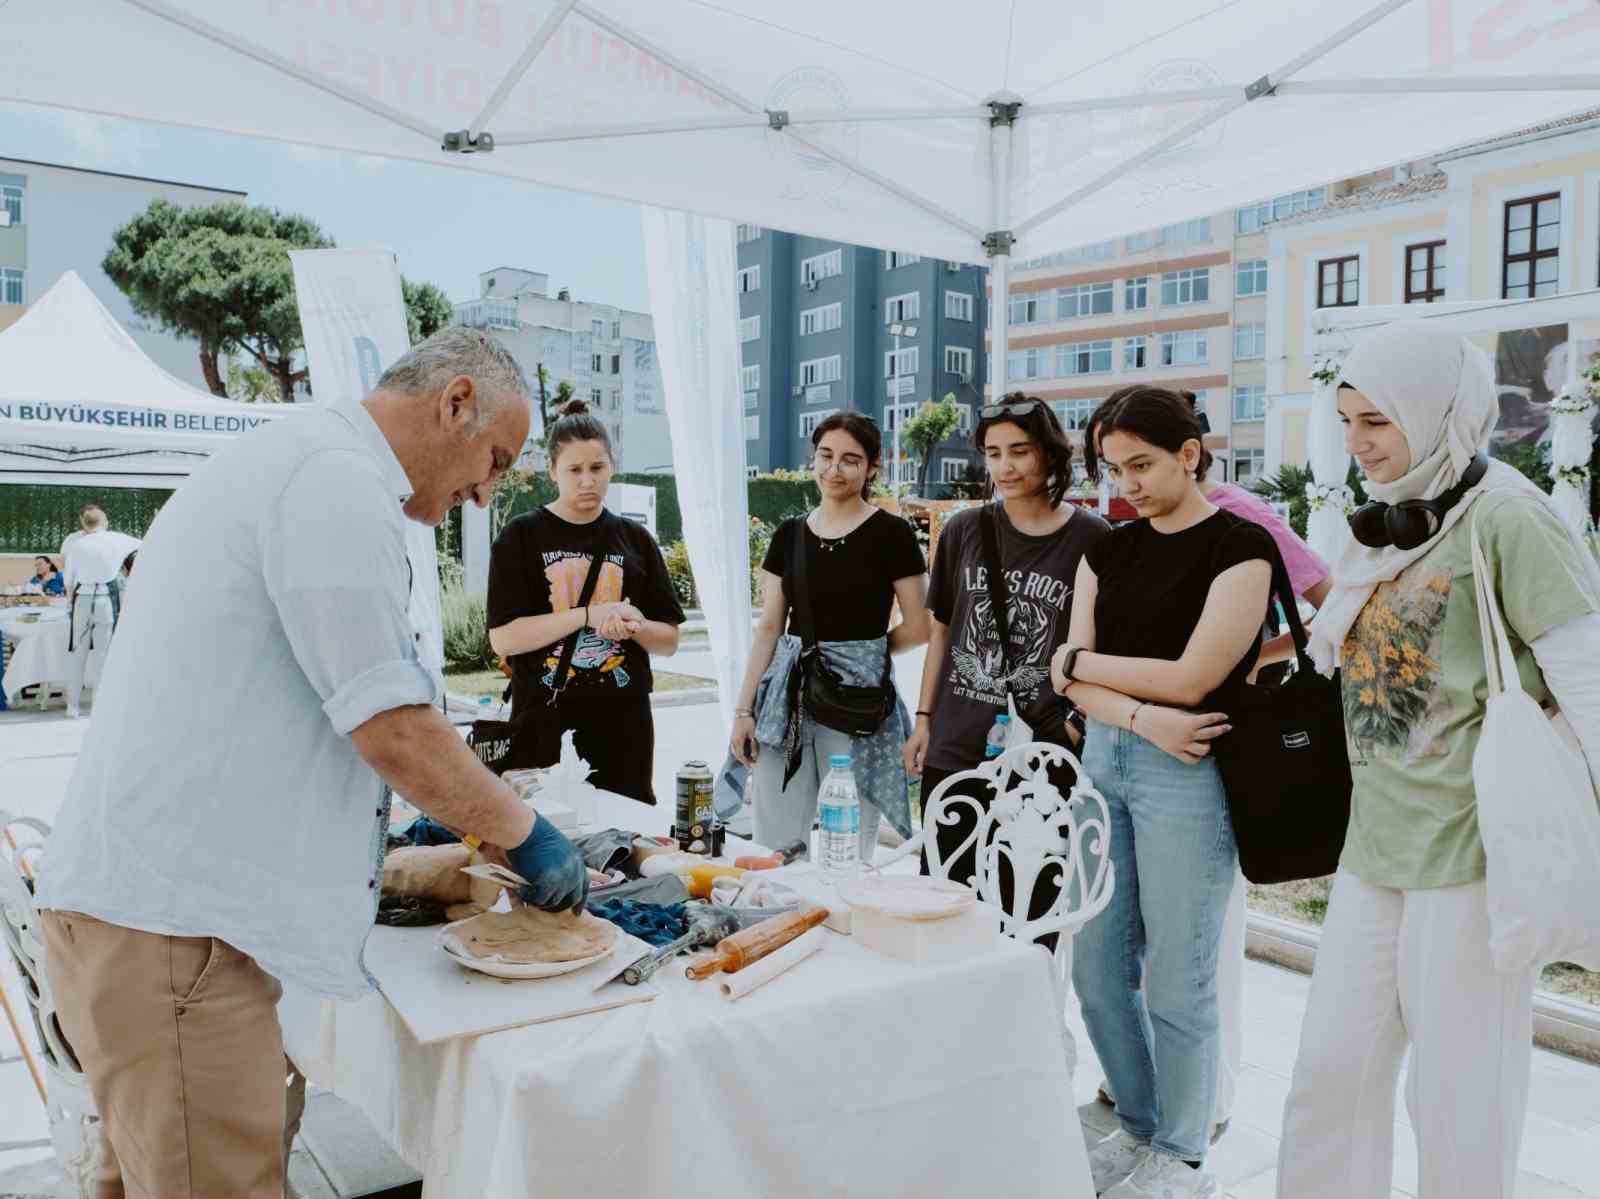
x: 691, y: 262
x: 1326, y: 527
x: 353, y: 315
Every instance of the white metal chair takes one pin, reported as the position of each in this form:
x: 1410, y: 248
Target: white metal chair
x: 64, y: 1090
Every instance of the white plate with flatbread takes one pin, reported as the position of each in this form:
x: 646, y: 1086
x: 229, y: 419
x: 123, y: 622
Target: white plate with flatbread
x: 526, y: 943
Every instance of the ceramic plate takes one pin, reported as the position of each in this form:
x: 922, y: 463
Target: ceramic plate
x: 519, y: 969
x: 908, y: 897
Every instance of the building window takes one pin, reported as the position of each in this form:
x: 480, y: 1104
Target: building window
x: 1250, y: 340
x: 594, y: 399
x: 900, y: 362
x: 1024, y: 364
x: 964, y: 419
x: 952, y: 470
x: 1184, y: 233
x: 1250, y: 403
x: 1135, y: 353
x: 1257, y: 216
x: 11, y: 289
x: 752, y: 400
x: 616, y: 399
x: 750, y: 328
x: 596, y: 363
x: 1249, y: 464
x: 1533, y: 244
x: 1086, y: 299
x: 752, y: 428
x: 598, y: 329
x: 1425, y: 273
x: 616, y: 364
x: 750, y: 279
x: 1074, y: 414
x: 894, y: 259
x: 810, y: 420
x: 1025, y: 310
x: 1339, y: 282
x: 823, y: 266
x: 750, y: 377
x: 822, y: 370
x: 1185, y: 348
x: 1083, y: 358
x: 958, y: 306
x: 616, y: 330
x: 821, y: 320
x: 749, y: 233
x: 958, y: 361
x: 1186, y: 287
x: 1136, y: 293
x: 1250, y: 277
x: 902, y: 308
x: 11, y: 204
x: 894, y: 415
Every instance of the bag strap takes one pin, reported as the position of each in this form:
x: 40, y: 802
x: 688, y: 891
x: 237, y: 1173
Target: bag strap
x: 989, y: 524
x: 1283, y: 591
x: 570, y: 645
x: 1498, y: 658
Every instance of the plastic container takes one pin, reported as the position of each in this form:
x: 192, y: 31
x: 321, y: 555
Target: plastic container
x: 995, y: 743
x: 839, y: 815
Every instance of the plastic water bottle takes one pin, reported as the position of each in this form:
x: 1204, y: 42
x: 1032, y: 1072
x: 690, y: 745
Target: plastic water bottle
x: 839, y: 810
x: 995, y: 743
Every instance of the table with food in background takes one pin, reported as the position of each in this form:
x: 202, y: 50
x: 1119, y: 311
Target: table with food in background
x: 853, y: 1072
x: 38, y: 634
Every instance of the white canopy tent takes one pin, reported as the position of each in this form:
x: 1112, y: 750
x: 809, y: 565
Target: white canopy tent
x: 81, y: 403
x: 968, y: 132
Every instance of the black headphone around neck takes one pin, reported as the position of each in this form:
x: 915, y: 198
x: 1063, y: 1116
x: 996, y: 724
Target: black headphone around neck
x: 1412, y: 523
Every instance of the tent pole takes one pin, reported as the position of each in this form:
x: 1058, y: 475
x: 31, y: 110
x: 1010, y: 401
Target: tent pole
x: 998, y: 242
x: 541, y: 39
x: 1460, y: 83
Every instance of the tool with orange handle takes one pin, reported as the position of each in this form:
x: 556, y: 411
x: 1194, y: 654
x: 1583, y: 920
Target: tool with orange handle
x: 754, y: 943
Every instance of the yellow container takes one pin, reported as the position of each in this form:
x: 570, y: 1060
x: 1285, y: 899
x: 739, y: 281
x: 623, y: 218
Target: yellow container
x: 701, y: 878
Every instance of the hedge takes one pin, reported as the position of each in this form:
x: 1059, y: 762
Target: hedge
x: 36, y: 518
x: 771, y: 500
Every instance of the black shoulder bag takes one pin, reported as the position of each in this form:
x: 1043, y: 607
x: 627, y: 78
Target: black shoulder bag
x: 1043, y: 722
x: 493, y: 740
x: 828, y: 699
x: 1285, y: 765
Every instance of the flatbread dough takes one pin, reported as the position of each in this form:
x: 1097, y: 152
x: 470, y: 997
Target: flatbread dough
x: 528, y: 936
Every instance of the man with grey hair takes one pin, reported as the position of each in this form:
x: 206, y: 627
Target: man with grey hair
x: 224, y: 828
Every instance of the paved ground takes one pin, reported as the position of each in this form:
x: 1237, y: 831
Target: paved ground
x: 1561, y: 1149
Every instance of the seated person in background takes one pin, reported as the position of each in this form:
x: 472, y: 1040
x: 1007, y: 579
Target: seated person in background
x: 47, y: 576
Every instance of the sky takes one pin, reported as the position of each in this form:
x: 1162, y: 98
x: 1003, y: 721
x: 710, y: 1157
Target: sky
x: 444, y: 225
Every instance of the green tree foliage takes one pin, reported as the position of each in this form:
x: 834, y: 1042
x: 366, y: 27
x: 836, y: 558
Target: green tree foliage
x: 220, y: 273
x: 926, y: 430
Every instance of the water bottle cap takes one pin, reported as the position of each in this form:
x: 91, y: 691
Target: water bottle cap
x: 839, y: 761
x: 1003, y: 718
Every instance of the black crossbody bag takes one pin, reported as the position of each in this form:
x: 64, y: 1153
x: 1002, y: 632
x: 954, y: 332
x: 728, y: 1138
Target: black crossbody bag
x: 493, y: 740
x: 828, y: 699
x: 1285, y: 766
x: 1041, y: 720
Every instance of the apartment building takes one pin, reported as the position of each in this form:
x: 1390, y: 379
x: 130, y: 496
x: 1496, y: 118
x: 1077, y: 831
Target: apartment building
x: 607, y: 353
x: 826, y: 326
x: 55, y: 219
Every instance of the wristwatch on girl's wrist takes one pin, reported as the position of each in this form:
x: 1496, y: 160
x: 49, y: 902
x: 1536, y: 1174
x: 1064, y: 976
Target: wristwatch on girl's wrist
x: 1070, y: 662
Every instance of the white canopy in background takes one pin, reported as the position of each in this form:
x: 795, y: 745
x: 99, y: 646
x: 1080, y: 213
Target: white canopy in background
x: 948, y: 128
x: 80, y: 401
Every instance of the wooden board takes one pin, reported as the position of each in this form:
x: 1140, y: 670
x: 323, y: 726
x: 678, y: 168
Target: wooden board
x: 439, y: 1000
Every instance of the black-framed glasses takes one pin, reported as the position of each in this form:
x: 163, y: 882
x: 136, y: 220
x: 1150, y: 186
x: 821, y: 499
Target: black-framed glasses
x: 1011, y: 408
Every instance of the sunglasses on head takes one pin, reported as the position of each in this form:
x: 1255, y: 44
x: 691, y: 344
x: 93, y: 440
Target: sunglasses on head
x: 1013, y: 408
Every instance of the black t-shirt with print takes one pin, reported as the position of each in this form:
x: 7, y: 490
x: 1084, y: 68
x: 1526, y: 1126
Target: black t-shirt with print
x: 539, y: 565
x: 1040, y: 571
x: 852, y: 577
x: 1152, y: 586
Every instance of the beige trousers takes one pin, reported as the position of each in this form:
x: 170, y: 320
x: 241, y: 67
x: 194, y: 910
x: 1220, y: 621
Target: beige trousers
x: 179, y: 1040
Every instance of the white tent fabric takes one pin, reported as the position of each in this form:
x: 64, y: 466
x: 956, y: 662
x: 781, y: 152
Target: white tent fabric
x: 77, y: 395
x: 691, y: 262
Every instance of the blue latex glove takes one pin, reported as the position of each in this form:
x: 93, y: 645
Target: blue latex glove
x: 557, y: 877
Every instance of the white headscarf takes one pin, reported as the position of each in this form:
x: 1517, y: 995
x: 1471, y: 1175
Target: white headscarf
x: 1439, y: 389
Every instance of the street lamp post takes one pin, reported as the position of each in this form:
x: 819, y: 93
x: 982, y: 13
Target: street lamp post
x: 897, y: 331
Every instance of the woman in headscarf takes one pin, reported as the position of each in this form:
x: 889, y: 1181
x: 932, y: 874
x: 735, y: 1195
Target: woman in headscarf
x: 1404, y: 957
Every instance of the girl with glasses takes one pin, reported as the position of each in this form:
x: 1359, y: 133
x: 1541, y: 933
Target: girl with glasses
x: 860, y: 562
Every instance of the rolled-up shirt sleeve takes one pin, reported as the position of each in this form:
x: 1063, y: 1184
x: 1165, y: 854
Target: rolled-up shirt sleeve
x: 334, y: 559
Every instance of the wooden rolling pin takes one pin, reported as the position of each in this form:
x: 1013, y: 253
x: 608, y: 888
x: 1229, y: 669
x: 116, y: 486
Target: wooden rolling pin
x: 754, y: 943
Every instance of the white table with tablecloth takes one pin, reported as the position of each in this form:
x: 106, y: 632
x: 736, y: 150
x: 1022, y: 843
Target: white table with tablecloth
x: 852, y: 1074
x: 40, y: 655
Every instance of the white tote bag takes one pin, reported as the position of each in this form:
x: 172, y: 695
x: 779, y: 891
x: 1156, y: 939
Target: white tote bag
x: 1537, y: 814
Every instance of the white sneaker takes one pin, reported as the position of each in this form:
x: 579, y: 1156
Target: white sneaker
x: 1113, y: 1158
x: 1162, y: 1176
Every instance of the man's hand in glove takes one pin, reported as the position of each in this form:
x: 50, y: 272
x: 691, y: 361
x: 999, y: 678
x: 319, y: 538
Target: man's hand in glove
x: 557, y: 878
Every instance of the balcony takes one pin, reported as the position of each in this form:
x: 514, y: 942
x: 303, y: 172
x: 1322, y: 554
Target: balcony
x: 901, y: 386
x: 819, y: 393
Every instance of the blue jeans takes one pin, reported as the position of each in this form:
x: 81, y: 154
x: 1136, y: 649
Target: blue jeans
x: 1145, y: 969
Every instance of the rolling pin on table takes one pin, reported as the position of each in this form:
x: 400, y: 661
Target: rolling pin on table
x: 754, y: 943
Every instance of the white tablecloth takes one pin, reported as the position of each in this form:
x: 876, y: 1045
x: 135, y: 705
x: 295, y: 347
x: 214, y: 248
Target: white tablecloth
x: 41, y: 650
x: 852, y: 1075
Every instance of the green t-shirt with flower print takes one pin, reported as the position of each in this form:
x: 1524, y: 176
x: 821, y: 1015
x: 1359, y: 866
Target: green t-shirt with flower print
x: 1415, y: 686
